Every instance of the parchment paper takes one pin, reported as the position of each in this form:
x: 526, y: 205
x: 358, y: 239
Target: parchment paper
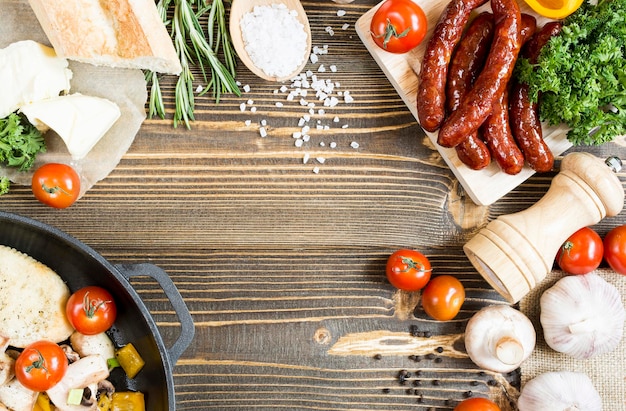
x: 125, y: 87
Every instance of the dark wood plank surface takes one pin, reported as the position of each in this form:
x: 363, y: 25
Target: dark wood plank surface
x: 282, y: 268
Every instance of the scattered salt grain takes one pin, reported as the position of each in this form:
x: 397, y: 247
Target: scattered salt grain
x: 316, y: 170
x: 296, y: 134
x: 341, y: 13
x: 354, y: 144
x: 253, y: 109
x: 279, y: 104
x: 314, y: 59
x: 262, y: 131
x: 199, y: 89
x: 333, y: 145
x: 345, y: 26
x: 278, y: 48
x: 263, y: 123
x: 305, y: 159
x: 321, y: 160
x: 247, y: 123
x: 246, y: 88
x: 336, y: 119
x: 299, y: 142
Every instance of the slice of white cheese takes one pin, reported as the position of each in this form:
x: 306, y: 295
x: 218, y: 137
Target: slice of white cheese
x: 30, y: 71
x: 81, y: 121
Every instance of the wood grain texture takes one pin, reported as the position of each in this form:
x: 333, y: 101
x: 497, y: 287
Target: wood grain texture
x: 283, y: 268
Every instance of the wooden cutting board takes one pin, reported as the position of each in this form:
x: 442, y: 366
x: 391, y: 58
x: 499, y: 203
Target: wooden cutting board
x: 483, y: 186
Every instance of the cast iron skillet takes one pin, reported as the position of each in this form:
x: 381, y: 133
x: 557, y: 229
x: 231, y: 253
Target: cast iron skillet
x: 79, y: 266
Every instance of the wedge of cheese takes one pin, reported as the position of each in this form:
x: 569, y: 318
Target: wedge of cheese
x: 30, y: 71
x: 33, y: 300
x: 81, y: 121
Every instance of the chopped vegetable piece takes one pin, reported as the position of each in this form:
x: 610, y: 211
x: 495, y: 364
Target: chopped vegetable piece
x: 128, y: 401
x: 43, y: 403
x: 130, y: 360
x: 75, y: 396
x: 113, y: 363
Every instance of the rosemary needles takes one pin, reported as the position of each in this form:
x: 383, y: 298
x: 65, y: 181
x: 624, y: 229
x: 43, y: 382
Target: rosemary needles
x: 195, y: 49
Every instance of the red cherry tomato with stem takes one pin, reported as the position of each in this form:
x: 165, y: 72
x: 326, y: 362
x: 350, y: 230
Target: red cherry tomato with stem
x: 443, y: 297
x: 477, y: 404
x: 41, y: 365
x: 91, y: 310
x: 615, y: 249
x: 408, y: 270
x: 581, y: 253
x: 398, y: 26
x: 56, y: 185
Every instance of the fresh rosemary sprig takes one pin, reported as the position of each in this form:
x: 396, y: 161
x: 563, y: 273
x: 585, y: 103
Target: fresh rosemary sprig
x: 195, y: 49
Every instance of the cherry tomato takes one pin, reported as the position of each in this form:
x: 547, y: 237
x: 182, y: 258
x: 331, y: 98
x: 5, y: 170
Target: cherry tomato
x: 41, y: 365
x: 408, y: 270
x: 56, y: 185
x: 398, y: 26
x: 581, y: 253
x: 443, y: 297
x: 477, y: 404
x: 91, y: 310
x: 615, y: 249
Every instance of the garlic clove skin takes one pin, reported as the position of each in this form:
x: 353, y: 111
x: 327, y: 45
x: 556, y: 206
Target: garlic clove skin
x: 560, y: 391
x: 499, y: 338
x: 582, y: 316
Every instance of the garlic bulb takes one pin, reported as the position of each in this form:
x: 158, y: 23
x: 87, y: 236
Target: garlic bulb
x: 499, y: 338
x: 582, y: 316
x: 560, y: 391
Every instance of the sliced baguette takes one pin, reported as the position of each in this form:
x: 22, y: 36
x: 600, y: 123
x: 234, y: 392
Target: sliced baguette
x: 115, y: 33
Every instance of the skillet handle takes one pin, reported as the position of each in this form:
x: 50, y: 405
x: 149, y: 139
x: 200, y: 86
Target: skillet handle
x: 187, y: 329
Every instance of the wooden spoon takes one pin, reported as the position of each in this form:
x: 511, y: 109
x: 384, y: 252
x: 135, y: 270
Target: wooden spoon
x: 239, y: 8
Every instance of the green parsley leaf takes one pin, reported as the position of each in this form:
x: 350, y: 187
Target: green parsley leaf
x: 580, y: 77
x: 20, y: 142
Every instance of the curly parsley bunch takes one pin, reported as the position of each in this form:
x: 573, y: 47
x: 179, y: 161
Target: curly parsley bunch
x: 580, y: 77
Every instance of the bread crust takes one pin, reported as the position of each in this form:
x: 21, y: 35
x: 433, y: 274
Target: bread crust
x: 116, y: 33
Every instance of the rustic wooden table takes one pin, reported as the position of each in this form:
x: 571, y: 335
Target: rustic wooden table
x: 281, y: 260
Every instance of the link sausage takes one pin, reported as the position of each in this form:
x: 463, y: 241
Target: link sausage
x: 431, y: 92
x: 525, y: 122
x: 490, y: 85
x: 467, y: 61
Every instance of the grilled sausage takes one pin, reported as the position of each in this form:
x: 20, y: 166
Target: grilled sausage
x: 492, y: 81
x: 431, y: 93
x: 467, y: 61
x: 496, y: 130
x: 525, y: 122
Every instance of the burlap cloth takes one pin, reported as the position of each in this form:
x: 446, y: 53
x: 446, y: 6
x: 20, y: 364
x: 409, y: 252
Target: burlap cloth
x: 607, y: 371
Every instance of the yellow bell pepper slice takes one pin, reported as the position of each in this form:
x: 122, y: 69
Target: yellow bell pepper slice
x: 128, y: 401
x: 43, y: 403
x: 130, y: 360
x: 554, y: 9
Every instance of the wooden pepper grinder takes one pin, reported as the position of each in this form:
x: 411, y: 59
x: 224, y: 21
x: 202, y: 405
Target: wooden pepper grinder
x: 516, y: 251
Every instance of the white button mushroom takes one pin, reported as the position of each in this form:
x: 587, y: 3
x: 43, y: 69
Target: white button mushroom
x: 582, y: 316
x: 499, y: 338
x: 559, y: 391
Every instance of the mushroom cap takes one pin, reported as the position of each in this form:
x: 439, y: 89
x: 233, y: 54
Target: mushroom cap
x: 582, y: 316
x: 499, y: 338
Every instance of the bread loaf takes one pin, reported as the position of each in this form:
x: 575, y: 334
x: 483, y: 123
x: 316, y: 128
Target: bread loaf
x: 115, y: 33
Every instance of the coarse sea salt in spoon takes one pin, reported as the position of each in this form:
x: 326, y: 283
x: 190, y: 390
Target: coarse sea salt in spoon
x: 271, y: 37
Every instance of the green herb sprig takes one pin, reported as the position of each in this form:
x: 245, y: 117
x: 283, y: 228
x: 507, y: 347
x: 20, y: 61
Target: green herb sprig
x: 194, y: 48
x: 580, y: 77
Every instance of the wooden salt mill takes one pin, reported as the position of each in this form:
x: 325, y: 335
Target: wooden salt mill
x: 515, y: 252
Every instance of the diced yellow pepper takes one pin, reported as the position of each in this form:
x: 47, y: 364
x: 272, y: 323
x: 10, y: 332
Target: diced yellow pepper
x: 130, y: 360
x: 128, y: 401
x: 43, y: 403
x: 104, y: 403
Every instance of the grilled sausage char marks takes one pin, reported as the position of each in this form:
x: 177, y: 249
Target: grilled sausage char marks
x: 431, y: 90
x: 525, y: 123
x: 496, y: 130
x: 467, y: 61
x: 490, y: 84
